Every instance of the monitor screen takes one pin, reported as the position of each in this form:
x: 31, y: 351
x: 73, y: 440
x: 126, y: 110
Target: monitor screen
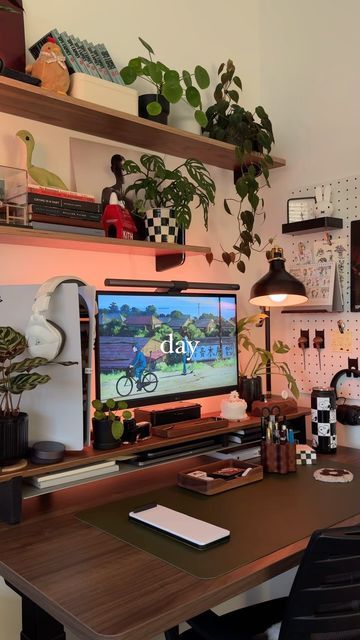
x: 163, y: 347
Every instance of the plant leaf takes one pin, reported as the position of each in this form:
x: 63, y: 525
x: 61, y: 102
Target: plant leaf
x: 202, y: 77
x: 154, y: 108
x: 129, y: 74
x: 226, y: 207
x: 187, y: 78
x: 241, y: 266
x: 209, y: 258
x: 12, y: 343
x: 201, y: 118
x: 172, y: 91
x: 26, y: 382
x: 193, y: 96
x: 146, y: 45
x: 117, y: 429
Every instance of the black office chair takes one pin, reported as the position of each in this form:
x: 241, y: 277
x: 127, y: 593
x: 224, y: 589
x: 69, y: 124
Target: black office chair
x: 324, y: 602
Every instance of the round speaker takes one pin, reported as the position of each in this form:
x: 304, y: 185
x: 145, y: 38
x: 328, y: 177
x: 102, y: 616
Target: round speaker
x: 47, y: 452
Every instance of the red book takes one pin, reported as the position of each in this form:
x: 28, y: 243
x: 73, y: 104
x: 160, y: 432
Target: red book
x: 72, y: 222
x: 60, y: 193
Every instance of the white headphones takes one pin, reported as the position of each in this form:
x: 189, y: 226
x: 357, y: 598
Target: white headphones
x: 45, y: 339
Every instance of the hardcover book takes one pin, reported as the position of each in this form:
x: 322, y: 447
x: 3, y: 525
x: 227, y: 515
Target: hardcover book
x: 64, y: 228
x: 64, y: 203
x: 73, y: 43
x: 109, y: 63
x: 60, y: 218
x: 100, y: 66
x: 60, y: 193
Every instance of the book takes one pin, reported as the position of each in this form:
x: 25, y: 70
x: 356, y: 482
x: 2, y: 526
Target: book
x: 70, y: 472
x: 87, y: 59
x: 90, y: 57
x: 68, y: 52
x: 100, y: 66
x: 80, y: 475
x: 57, y: 218
x: 64, y: 228
x: 73, y: 44
x: 109, y: 63
x: 60, y: 193
x: 64, y: 203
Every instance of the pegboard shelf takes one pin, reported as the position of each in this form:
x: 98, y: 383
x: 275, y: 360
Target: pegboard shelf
x: 310, y: 226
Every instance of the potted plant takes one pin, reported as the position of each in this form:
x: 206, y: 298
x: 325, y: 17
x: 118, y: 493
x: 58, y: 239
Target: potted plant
x: 164, y: 195
x: 251, y: 133
x: 169, y: 86
x: 107, y: 426
x: 255, y: 366
x: 16, y: 376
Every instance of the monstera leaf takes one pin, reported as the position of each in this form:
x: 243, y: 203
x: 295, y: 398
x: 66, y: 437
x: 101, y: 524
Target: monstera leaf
x: 26, y: 382
x: 12, y: 343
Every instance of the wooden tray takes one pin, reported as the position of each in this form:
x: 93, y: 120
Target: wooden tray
x: 218, y: 485
x: 187, y: 427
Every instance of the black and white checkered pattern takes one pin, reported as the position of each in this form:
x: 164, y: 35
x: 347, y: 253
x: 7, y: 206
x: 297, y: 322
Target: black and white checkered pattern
x: 161, y: 225
x: 323, y: 420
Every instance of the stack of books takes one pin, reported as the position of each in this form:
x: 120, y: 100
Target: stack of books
x: 53, y: 209
x: 249, y: 435
x: 74, y: 475
x: 82, y: 56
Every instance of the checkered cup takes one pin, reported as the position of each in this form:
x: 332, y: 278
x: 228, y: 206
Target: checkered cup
x: 161, y: 225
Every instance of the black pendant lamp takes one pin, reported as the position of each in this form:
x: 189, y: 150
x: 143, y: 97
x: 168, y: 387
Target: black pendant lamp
x: 277, y: 288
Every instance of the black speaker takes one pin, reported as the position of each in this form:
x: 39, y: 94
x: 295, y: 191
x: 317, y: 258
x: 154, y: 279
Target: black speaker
x: 158, y: 417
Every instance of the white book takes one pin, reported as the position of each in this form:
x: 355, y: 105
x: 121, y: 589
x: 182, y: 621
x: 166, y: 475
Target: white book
x: 52, y: 482
x: 70, y: 472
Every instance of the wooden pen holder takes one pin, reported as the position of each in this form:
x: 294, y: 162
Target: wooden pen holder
x: 278, y: 458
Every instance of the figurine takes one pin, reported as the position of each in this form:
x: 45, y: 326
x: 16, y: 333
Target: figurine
x: 50, y: 67
x: 233, y: 408
x: 117, y: 221
x: 43, y: 177
x: 117, y: 169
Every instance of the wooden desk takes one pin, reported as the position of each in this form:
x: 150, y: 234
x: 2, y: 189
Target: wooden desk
x: 100, y: 587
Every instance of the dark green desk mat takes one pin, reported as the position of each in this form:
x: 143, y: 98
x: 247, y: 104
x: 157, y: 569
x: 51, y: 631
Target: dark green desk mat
x: 262, y: 517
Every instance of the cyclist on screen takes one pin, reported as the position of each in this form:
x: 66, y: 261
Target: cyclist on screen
x: 139, y: 364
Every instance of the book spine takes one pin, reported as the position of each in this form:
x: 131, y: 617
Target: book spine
x: 35, y: 48
x: 92, y: 61
x: 101, y: 69
x: 86, y: 57
x: 60, y: 193
x: 64, y: 203
x: 64, y: 228
x: 109, y: 63
x: 81, y: 66
x: 53, y: 212
x: 68, y: 52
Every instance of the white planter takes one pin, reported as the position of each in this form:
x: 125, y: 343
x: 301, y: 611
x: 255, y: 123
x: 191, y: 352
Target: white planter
x: 103, y: 92
x: 161, y: 225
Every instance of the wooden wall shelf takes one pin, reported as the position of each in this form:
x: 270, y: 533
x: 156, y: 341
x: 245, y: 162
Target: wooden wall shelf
x: 326, y: 223
x: 21, y: 99
x: 32, y: 237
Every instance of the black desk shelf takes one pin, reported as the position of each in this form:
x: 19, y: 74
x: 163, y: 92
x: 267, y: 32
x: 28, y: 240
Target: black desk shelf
x: 311, y: 226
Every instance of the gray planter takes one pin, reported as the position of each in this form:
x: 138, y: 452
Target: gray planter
x: 13, y: 437
x: 161, y: 225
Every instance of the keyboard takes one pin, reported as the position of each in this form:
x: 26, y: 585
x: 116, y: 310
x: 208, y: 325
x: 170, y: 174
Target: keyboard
x: 187, y: 427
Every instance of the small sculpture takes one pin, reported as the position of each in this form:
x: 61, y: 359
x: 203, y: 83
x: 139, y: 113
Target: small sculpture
x: 50, y: 67
x: 117, y: 169
x: 41, y: 176
x: 323, y: 206
x: 233, y: 408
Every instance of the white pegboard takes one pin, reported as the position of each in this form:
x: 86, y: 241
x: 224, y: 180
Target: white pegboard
x: 346, y: 200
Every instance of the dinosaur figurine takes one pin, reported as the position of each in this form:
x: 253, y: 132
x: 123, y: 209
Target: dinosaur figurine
x: 43, y: 177
x: 50, y: 68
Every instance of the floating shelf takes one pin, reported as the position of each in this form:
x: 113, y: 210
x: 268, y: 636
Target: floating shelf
x: 311, y: 226
x: 21, y: 99
x: 32, y: 237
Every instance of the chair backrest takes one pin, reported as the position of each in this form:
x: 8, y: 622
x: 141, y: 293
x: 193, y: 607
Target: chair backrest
x: 324, y: 602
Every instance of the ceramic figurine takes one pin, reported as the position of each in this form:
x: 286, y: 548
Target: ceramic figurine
x: 50, y: 68
x: 117, y: 169
x: 323, y: 206
x: 41, y: 176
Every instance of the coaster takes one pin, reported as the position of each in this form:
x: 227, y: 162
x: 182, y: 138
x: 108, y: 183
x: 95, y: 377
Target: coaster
x: 17, y: 466
x: 333, y: 475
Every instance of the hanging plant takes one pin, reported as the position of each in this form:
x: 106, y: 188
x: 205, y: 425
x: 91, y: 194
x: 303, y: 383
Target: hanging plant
x: 251, y: 133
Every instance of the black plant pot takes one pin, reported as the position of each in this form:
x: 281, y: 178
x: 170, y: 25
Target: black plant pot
x: 250, y: 390
x: 103, y: 436
x: 152, y: 97
x: 13, y: 437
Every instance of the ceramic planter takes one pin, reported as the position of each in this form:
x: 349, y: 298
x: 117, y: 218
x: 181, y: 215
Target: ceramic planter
x: 13, y: 437
x: 103, y: 431
x: 152, y: 97
x: 250, y: 390
x: 161, y: 225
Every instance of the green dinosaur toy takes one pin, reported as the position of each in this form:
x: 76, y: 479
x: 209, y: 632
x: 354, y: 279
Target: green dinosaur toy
x: 43, y: 177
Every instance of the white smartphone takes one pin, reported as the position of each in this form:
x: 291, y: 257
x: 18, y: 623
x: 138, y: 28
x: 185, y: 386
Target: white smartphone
x: 195, y: 532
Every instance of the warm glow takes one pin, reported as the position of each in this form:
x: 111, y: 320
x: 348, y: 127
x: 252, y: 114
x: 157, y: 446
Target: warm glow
x: 278, y: 297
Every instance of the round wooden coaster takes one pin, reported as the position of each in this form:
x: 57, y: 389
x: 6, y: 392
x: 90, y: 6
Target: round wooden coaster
x: 17, y: 466
x: 333, y: 475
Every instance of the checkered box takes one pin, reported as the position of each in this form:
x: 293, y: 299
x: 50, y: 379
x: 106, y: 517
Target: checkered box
x: 305, y: 454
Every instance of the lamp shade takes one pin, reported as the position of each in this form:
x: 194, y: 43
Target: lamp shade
x: 277, y: 288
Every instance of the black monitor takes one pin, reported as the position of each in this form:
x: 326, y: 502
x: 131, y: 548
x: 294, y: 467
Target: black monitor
x: 156, y: 347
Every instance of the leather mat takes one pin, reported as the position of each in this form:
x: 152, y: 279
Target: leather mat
x: 262, y: 517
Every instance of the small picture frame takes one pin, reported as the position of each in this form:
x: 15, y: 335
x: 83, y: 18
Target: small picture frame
x: 299, y: 209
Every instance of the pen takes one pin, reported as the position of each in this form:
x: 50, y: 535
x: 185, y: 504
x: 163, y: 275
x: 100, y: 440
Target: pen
x: 291, y: 438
